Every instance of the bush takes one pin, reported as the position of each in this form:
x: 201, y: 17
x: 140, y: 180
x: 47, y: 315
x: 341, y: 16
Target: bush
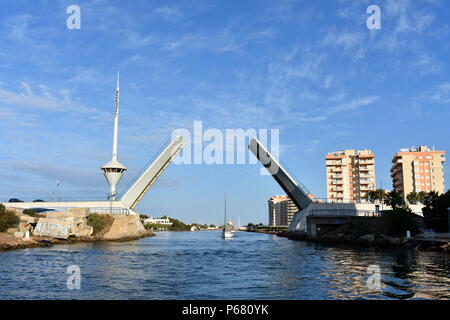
x: 150, y: 226
x: 397, y: 222
x: 7, y: 219
x: 31, y: 213
x: 99, y: 222
x: 360, y: 227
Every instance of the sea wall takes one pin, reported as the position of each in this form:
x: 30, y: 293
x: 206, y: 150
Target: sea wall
x: 370, y: 240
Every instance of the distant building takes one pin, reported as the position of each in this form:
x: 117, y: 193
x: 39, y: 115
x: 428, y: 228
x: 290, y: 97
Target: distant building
x: 418, y: 169
x: 158, y: 221
x: 350, y: 175
x: 281, y: 211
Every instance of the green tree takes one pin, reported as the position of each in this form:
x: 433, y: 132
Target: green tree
x: 395, y: 200
x: 396, y: 222
x: 412, y: 197
x: 376, y: 195
x: 421, y: 196
x: 7, y: 219
x: 435, y: 211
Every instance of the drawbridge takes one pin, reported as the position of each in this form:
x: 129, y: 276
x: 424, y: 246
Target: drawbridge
x: 131, y: 196
x: 296, y: 192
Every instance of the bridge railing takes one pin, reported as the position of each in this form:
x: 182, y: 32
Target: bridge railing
x: 344, y: 200
x: 111, y: 210
x: 344, y: 212
x: 54, y: 199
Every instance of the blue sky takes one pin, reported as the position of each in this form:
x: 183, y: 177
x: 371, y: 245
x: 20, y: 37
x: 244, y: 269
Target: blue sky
x: 311, y: 69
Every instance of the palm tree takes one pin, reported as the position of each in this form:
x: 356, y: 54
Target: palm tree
x: 395, y: 200
x: 412, y: 197
x: 421, y: 196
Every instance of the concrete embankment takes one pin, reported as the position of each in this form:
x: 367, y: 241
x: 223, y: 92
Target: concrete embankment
x: 70, y: 227
x: 372, y: 240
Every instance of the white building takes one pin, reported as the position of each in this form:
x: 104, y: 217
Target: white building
x: 158, y: 221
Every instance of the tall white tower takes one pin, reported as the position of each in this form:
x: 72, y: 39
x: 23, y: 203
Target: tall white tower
x: 114, y: 170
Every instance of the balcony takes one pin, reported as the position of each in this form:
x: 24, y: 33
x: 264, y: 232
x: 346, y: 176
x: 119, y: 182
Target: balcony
x: 398, y: 183
x: 395, y: 169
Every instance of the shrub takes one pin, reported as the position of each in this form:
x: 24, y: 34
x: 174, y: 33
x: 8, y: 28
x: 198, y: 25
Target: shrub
x: 7, y: 219
x: 99, y: 222
x: 397, y: 222
x: 31, y: 213
x: 360, y: 227
x: 150, y: 226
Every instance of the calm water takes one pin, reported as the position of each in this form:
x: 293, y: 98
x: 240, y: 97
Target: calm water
x: 200, y: 265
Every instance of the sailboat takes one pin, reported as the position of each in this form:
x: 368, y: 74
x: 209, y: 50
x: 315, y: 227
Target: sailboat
x: 226, y: 233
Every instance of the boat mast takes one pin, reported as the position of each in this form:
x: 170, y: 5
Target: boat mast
x: 225, y: 225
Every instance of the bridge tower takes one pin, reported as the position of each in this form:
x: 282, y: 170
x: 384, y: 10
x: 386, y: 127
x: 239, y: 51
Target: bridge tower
x: 114, y: 170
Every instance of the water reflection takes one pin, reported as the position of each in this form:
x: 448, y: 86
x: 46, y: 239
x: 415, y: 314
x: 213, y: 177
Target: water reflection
x: 200, y: 265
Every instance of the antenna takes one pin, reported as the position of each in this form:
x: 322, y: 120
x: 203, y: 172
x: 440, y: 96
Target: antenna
x: 116, y: 120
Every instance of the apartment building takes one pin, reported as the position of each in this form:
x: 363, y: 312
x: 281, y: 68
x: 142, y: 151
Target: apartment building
x: 418, y: 169
x: 281, y: 211
x: 350, y: 175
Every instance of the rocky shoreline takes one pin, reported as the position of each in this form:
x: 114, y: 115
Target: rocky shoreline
x: 371, y: 240
x: 76, y: 225
x: 9, y: 242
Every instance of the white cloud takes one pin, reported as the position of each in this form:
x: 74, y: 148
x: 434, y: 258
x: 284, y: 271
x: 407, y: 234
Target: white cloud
x: 44, y: 100
x: 169, y: 13
x: 351, y: 105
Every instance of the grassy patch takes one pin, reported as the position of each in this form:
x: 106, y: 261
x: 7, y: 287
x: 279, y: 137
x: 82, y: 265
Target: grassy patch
x: 7, y: 219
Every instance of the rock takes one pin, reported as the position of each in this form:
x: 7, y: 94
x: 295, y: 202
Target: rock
x: 45, y: 243
x: 74, y: 213
x: 24, y: 227
x: 391, y: 240
x: 346, y: 239
x: 80, y: 212
x: 64, y: 224
x: 55, y: 228
x: 367, y: 238
x: 19, y: 235
x: 446, y: 247
x: 85, y: 231
x: 26, y: 219
x: 12, y: 230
